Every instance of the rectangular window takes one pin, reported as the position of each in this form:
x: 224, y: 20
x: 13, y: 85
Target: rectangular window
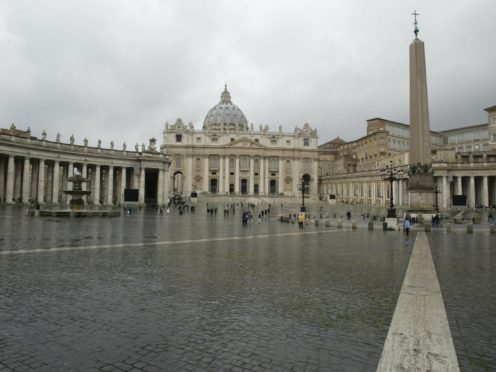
x: 306, y: 141
x: 178, y: 162
x: 179, y: 138
x: 244, y: 163
x: 214, y: 162
x: 273, y: 164
x: 288, y: 143
x: 256, y: 140
x: 214, y: 139
x: 198, y: 139
x: 273, y: 142
x: 232, y: 139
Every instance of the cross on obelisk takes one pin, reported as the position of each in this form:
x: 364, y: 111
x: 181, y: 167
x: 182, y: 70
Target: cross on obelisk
x: 415, y: 23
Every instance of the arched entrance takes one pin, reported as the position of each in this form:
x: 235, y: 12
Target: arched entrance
x: 306, y: 178
x: 178, y: 183
x: 213, y: 186
x: 255, y: 189
x: 244, y: 186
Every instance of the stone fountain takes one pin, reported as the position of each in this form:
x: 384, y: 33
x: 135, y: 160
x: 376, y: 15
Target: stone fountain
x: 77, y: 207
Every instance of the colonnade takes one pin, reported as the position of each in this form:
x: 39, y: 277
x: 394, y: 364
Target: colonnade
x: 43, y: 180
x: 478, y: 190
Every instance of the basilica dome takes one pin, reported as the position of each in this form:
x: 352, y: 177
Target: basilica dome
x: 225, y: 116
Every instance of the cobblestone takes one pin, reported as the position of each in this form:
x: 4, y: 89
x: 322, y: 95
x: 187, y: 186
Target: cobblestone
x: 225, y: 297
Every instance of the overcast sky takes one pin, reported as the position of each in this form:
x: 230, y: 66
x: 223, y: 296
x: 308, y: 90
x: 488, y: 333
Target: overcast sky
x: 118, y: 70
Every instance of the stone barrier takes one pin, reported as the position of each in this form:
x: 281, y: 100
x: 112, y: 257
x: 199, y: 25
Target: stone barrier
x: 316, y: 222
x: 470, y: 228
x: 328, y: 223
x: 371, y: 225
x: 354, y: 225
x: 448, y: 227
x: 492, y: 229
x: 340, y: 223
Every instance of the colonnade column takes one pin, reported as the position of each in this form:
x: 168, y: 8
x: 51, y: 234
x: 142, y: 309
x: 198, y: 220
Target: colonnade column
x: 160, y: 191
x: 26, y: 181
x: 56, y: 181
x: 267, y: 176
x: 41, y: 181
x: 189, y: 178
x: 110, y: 192
x: 236, y: 175
x: 295, y: 177
x: 141, y: 193
x: 96, y: 196
x: 9, y: 194
x: 485, y: 192
x: 166, y: 182
x: 446, y: 192
x: 251, y: 190
x: 471, y: 192
x: 280, y: 183
x: 70, y: 173
x: 315, y: 177
x: 205, y: 175
x: 123, y: 184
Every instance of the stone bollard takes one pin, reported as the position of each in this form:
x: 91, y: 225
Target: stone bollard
x: 470, y: 228
x: 316, y: 222
x: 492, y: 229
x: 448, y: 227
x: 427, y: 227
x: 371, y: 225
x: 340, y: 223
x: 328, y: 223
x: 354, y: 225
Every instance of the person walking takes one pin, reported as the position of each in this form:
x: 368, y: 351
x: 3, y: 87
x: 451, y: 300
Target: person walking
x: 406, y: 226
x: 301, y: 220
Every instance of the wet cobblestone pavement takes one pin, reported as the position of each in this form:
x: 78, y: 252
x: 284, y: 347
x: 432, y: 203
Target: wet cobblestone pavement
x: 466, y: 268
x: 203, y: 293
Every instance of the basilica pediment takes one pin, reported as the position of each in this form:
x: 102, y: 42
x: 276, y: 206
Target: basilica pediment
x: 245, y: 143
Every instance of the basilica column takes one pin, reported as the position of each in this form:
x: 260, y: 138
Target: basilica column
x: 110, y: 184
x: 160, y: 188
x: 280, y: 183
x: 236, y: 175
x: 471, y: 192
x: 261, y: 170
x: 205, y: 175
x: 26, y: 181
x: 221, y: 175
x: 123, y: 184
x: 252, y: 177
x: 96, y: 195
x: 189, y: 178
x: 485, y: 192
x: 458, y: 186
x: 141, y: 192
x: 41, y: 181
x: 56, y: 181
x: 228, y: 174
x: 9, y: 194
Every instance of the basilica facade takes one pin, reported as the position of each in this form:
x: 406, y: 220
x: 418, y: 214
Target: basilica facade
x: 229, y: 157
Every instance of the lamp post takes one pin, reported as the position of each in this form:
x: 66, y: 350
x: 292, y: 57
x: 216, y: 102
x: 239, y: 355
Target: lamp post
x: 304, y: 188
x: 391, y: 174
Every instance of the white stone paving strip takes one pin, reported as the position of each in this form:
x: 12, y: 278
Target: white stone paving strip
x: 168, y: 242
x: 419, y: 338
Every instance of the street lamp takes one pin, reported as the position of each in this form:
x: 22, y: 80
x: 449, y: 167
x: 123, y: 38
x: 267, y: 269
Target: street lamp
x: 391, y: 174
x: 304, y: 187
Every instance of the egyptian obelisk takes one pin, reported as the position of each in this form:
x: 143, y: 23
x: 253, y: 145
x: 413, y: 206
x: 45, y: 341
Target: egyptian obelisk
x: 421, y: 181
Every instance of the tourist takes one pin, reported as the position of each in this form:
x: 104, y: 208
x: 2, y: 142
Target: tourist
x: 406, y: 226
x: 301, y: 220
